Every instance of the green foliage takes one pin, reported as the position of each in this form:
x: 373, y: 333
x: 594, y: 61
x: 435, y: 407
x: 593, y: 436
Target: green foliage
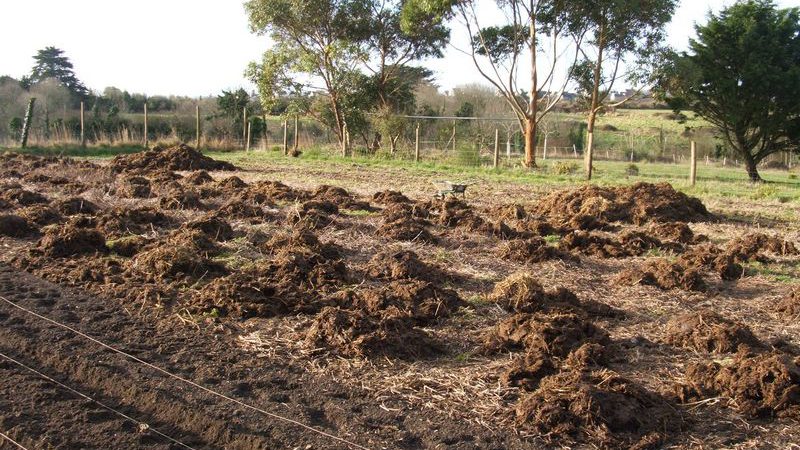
x: 742, y: 74
x: 15, y: 125
x: 565, y: 168
x: 50, y: 62
x: 632, y: 170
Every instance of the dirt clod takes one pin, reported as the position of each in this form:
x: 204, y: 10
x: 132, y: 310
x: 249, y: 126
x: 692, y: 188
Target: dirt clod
x: 707, y: 331
x: 69, y: 240
x: 663, y: 274
x: 15, y: 226
x: 178, y: 157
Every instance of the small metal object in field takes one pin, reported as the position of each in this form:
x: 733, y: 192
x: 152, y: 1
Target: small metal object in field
x: 448, y: 187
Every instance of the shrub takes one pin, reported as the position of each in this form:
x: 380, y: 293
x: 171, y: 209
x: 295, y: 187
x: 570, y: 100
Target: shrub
x: 632, y: 170
x: 565, y: 168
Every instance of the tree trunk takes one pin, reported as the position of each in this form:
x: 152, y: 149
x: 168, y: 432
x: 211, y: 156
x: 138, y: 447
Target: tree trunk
x: 593, y: 108
x: 530, y: 142
x: 752, y: 170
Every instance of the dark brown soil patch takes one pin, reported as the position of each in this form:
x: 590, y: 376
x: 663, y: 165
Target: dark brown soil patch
x: 75, y: 205
x: 599, y: 407
x: 639, y: 203
x: 673, y: 231
x: 179, y: 157
x: 554, y: 335
x: 313, y: 214
x: 790, y: 304
x: 753, y: 246
x: 134, y: 187
x: 176, y: 196
x: 15, y: 226
x: 213, y: 226
x: 455, y: 213
x: 707, y: 331
x: 339, y: 197
x: 663, y: 274
x: 401, y: 265
x: 521, y: 292
x: 165, y: 260
x: 40, y: 215
x: 301, y: 239
x: 761, y: 385
x: 420, y: 301
x: 355, y: 334
x: 388, y: 197
x: 124, y: 221
x: 404, y: 222
x: 23, y: 197
x: 533, y: 250
x: 129, y: 246
x: 198, y: 178
x: 266, y: 192
x: 69, y: 240
x: 710, y: 257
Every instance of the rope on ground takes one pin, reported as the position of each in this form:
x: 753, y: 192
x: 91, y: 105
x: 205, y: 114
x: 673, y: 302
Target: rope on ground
x: 187, y: 381
x: 13, y: 442
x: 141, y: 425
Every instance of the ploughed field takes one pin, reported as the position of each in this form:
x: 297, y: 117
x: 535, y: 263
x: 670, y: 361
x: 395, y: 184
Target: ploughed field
x: 611, y: 317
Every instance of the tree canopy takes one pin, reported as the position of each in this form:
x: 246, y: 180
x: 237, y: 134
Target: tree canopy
x: 742, y: 74
x: 50, y: 62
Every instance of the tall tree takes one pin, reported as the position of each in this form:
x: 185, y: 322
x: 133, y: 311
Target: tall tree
x: 50, y: 62
x: 623, y: 43
x: 742, y: 74
x: 537, y: 29
x: 316, y: 47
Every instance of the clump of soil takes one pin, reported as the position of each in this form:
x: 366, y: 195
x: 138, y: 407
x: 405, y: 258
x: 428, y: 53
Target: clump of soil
x: 70, y: 240
x: 134, y: 187
x: 22, y: 197
x: 663, y: 274
x: 752, y: 247
x: 401, y: 265
x: 760, y: 385
x: 707, y: 331
x: 267, y: 192
x: 455, y: 213
x: 790, y: 304
x: 679, y: 232
x: 710, y: 257
x: 520, y: 292
x: 533, y: 250
x: 553, y: 334
x: 128, y: 246
x: 179, y: 157
x: 231, y: 185
x: 75, y: 205
x: 122, y: 221
x: 313, y: 214
x: 198, y: 178
x: 420, y: 301
x: 339, y: 197
x: 12, y: 225
x: 180, y: 255
x: 598, y: 406
x: 237, y: 208
x: 176, y: 196
x: 40, y: 215
x: 639, y: 203
x: 301, y: 239
x: 389, y: 197
x: 213, y: 226
x: 356, y: 334
x: 404, y: 222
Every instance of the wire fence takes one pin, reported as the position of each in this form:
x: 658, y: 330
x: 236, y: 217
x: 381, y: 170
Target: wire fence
x: 462, y: 141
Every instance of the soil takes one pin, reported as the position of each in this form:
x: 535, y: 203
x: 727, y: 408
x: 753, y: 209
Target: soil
x: 178, y: 157
x: 663, y: 274
x: 599, y: 405
x: 790, y: 304
x: 707, y: 331
x: 759, y: 385
x: 344, y: 329
x: 15, y: 226
x: 638, y: 204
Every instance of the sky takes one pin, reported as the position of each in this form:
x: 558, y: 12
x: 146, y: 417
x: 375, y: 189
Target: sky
x: 197, y: 48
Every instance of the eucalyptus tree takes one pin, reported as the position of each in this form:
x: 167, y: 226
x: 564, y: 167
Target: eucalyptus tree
x: 623, y: 44
x: 539, y: 30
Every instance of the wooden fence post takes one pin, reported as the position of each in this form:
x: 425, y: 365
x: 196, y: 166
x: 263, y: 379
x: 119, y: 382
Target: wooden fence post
x: 146, y: 142
x: 26, y: 126
x: 416, y: 144
x: 296, y: 134
x: 344, y: 139
x: 247, y: 142
x: 508, y: 147
x: 496, y: 148
x: 83, y: 127
x: 693, y: 164
x: 197, y: 126
x: 244, y: 124
x: 285, y: 137
x: 454, y: 136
